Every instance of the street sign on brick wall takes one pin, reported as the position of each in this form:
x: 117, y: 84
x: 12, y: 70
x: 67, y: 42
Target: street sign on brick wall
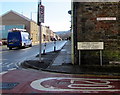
x: 90, y: 45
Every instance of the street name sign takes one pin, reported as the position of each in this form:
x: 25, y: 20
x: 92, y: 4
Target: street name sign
x: 106, y: 18
x: 90, y: 45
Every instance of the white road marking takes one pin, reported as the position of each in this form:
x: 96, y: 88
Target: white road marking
x: 12, y: 69
x: 2, y: 59
x: 2, y: 73
x: 37, y: 84
x: 4, y: 64
x: 10, y: 64
x: 7, y: 64
x: 90, y: 84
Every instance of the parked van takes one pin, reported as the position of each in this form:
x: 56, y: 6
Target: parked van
x: 18, y: 38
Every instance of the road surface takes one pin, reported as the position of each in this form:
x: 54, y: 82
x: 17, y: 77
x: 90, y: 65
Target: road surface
x: 10, y: 58
x: 33, y: 81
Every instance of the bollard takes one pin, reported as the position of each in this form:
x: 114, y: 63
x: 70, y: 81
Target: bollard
x: 44, y: 48
x: 54, y: 45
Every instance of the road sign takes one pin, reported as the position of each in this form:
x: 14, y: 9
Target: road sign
x: 90, y: 45
x: 106, y: 18
x: 40, y: 20
x: 41, y: 13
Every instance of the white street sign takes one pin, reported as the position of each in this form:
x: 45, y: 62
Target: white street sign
x: 90, y: 45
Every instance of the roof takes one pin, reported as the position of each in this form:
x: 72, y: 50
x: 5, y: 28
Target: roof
x: 24, y: 17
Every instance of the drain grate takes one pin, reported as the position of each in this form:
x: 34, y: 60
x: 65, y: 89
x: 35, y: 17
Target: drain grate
x: 8, y: 85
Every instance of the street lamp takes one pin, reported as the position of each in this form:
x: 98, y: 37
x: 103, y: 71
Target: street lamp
x: 31, y: 14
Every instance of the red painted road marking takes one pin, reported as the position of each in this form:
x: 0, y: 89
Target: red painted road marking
x: 32, y: 81
x: 75, y: 84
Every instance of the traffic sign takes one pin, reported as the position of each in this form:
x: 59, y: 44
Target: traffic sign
x: 41, y: 13
x: 41, y: 9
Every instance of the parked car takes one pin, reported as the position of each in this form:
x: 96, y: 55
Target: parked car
x: 0, y: 43
x: 4, y: 41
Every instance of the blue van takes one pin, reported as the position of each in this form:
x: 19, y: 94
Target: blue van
x: 18, y: 39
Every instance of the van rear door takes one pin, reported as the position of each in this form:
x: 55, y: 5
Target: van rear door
x: 14, y: 39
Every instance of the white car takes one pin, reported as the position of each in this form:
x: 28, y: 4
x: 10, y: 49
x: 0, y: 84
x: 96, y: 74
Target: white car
x: 0, y: 43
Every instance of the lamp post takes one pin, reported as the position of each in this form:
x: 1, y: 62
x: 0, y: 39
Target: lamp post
x: 31, y: 14
x: 39, y: 23
x: 40, y: 41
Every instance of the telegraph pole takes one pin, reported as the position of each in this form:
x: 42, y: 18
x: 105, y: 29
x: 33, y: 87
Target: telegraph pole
x: 39, y: 21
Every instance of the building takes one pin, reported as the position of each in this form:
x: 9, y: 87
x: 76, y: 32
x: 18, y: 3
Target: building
x: 96, y: 22
x: 4, y: 29
x: 13, y: 19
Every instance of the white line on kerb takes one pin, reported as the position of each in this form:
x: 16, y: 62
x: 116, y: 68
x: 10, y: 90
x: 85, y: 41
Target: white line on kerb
x: 12, y: 69
x: 2, y: 73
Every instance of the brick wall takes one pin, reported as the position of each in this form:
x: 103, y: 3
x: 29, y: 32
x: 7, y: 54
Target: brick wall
x: 89, y: 29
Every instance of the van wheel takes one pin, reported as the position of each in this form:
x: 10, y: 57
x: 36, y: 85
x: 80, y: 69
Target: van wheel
x: 24, y: 45
x: 10, y: 48
x: 30, y: 45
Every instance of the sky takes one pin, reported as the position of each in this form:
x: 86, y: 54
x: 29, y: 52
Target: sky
x: 56, y: 11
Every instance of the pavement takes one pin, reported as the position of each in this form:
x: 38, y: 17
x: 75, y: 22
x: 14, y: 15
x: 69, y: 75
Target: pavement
x: 60, y: 61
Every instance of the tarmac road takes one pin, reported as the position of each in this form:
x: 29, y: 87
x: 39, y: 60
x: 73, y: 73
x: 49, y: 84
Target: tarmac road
x: 33, y: 81
x: 30, y: 81
x: 10, y: 58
